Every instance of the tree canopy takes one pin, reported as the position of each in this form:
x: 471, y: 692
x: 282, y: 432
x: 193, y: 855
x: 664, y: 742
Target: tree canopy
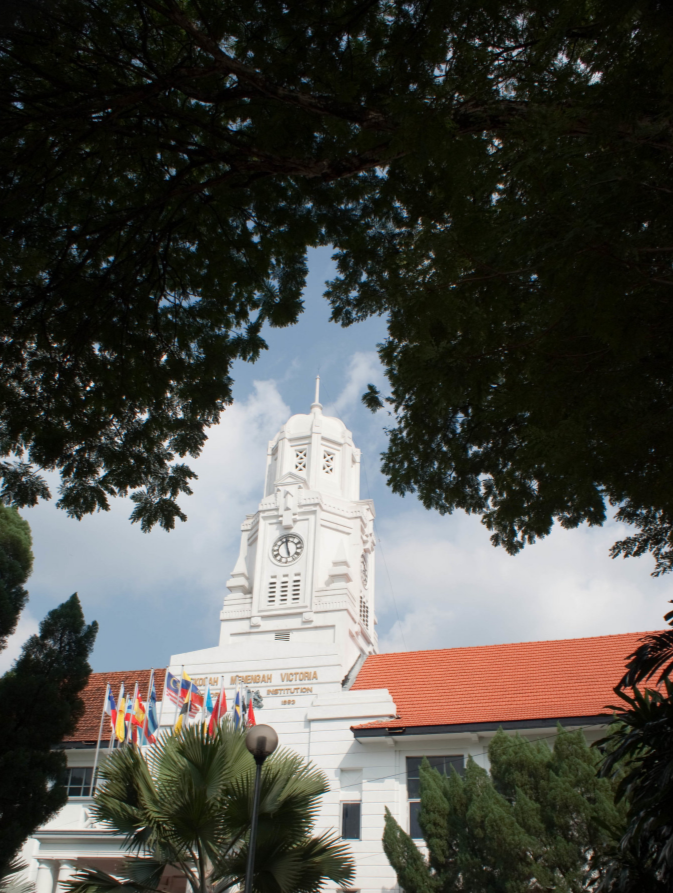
x: 186, y: 804
x: 495, y: 179
x: 535, y: 823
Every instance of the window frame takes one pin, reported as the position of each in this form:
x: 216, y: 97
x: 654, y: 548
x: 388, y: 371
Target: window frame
x: 351, y: 803
x: 414, y: 802
x: 87, y: 786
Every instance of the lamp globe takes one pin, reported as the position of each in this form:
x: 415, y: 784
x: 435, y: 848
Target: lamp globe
x: 261, y: 741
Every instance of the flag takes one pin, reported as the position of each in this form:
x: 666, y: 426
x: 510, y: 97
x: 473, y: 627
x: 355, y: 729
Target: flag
x: 238, y: 717
x: 172, y: 689
x: 207, y: 703
x: 120, y: 724
x: 138, y: 718
x: 185, y: 684
x: 177, y: 690
x: 190, y: 690
x: 184, y: 711
x: 128, y: 716
x: 111, y: 707
x: 139, y: 712
x: 219, y: 709
x: 151, y: 722
x: 214, y: 718
x: 251, y: 715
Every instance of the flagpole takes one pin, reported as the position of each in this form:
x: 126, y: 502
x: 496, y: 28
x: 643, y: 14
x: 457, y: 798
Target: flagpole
x: 100, y: 732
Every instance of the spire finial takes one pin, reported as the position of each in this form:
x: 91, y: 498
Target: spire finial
x: 316, y: 403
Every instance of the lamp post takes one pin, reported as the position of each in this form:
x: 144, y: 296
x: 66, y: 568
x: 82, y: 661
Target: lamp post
x: 261, y: 741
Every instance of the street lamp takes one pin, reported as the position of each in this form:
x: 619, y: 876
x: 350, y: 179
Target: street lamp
x: 261, y: 741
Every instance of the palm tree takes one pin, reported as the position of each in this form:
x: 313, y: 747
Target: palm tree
x: 186, y: 805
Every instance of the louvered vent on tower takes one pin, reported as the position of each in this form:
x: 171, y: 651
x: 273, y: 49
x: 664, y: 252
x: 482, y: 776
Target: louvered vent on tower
x: 328, y: 457
x: 364, y: 611
x: 300, y: 459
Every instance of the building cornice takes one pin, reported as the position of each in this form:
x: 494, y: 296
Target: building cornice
x: 397, y: 731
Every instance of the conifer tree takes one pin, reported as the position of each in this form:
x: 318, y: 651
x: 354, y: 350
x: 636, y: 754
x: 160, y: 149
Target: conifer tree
x: 534, y: 823
x: 39, y: 696
x: 16, y: 563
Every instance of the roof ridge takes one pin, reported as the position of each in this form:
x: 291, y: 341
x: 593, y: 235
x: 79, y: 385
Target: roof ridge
x: 513, y: 644
x: 125, y: 672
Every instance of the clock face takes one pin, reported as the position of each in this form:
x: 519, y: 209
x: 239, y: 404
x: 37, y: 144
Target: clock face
x: 364, y: 570
x: 287, y: 548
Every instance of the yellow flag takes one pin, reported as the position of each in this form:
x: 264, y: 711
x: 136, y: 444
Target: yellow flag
x: 184, y: 710
x: 120, y: 728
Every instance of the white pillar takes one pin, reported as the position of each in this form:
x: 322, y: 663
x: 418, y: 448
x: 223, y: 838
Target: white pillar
x: 45, y: 876
x: 66, y: 869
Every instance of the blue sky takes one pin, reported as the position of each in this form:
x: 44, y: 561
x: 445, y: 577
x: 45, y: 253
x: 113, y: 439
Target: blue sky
x: 439, y: 581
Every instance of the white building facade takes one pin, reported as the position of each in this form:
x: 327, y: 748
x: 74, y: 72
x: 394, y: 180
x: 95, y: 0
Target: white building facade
x: 298, y: 627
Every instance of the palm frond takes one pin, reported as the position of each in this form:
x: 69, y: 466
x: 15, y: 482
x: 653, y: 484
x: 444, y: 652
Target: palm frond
x: 187, y: 803
x: 655, y: 653
x: 11, y: 880
x: 300, y: 867
x: 92, y: 880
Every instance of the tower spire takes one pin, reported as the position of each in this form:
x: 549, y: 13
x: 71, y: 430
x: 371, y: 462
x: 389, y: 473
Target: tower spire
x: 316, y: 403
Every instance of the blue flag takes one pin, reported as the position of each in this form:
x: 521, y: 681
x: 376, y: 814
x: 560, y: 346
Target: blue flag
x: 151, y: 722
x: 237, y: 708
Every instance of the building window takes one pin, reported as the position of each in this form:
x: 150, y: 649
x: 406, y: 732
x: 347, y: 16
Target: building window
x: 79, y: 781
x: 300, y: 459
x: 444, y: 765
x: 273, y: 588
x: 283, y: 636
x: 296, y: 588
x: 284, y: 586
x: 328, y: 457
x: 350, y: 821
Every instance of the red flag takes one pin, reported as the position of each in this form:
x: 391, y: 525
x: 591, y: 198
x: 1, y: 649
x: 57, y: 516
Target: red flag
x: 219, y: 709
x: 251, y: 715
x: 138, y: 717
x: 148, y: 735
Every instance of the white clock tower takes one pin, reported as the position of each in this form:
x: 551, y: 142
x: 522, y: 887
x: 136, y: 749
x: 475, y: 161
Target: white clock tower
x: 305, y: 571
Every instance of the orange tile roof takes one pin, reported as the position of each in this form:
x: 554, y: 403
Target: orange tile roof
x: 500, y: 683
x: 94, y: 693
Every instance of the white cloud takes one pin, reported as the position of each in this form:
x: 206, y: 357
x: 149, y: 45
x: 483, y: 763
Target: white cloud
x: 161, y: 585
x: 449, y: 587
x: 160, y: 593
x: 230, y: 480
x: 364, y: 367
x: 26, y: 627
